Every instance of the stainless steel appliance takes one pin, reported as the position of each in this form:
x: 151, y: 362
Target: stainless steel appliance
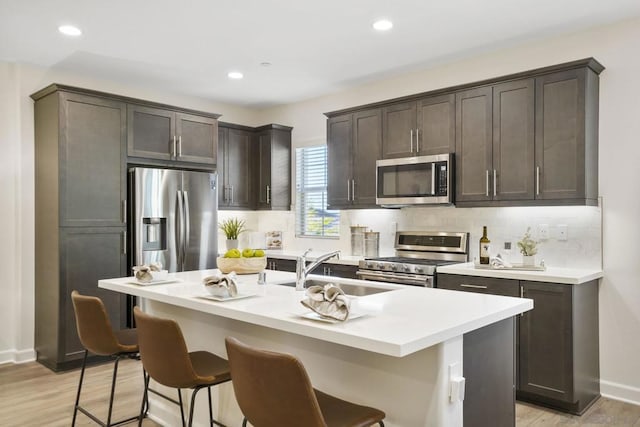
x: 423, y: 180
x: 418, y: 255
x: 174, y: 218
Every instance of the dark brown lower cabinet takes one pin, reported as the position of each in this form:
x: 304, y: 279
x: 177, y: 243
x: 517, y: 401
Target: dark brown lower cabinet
x: 337, y: 270
x: 557, y: 354
x: 281, y: 264
x: 85, y: 255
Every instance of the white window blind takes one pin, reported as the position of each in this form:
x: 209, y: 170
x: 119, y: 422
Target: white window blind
x: 312, y: 217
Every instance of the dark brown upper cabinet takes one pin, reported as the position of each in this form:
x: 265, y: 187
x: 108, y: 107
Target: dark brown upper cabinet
x: 495, y: 142
x: 254, y: 167
x: 162, y: 134
x: 273, y: 171
x: 526, y: 139
x: 235, y: 167
x: 567, y: 136
x: 354, y: 144
x: 418, y: 128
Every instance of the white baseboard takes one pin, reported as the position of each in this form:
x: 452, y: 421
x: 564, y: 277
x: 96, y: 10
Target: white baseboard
x: 17, y: 356
x: 620, y: 392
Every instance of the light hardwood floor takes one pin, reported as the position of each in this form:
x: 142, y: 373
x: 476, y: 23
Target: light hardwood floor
x: 32, y: 395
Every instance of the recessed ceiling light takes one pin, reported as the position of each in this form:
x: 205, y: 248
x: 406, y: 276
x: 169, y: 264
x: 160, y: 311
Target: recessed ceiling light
x: 235, y: 75
x: 266, y: 64
x: 70, y: 30
x: 383, y: 25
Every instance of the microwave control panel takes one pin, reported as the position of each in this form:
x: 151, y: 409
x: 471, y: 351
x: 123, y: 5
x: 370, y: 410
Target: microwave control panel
x: 442, y: 178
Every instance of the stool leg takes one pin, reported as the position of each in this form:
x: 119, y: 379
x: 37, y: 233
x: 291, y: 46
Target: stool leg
x: 244, y: 422
x: 75, y: 408
x: 181, y: 408
x: 113, y: 389
x: 193, y: 401
x: 211, y: 422
x: 381, y: 423
x: 145, y: 402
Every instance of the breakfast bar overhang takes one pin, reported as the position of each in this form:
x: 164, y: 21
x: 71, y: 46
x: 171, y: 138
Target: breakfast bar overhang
x: 406, y: 354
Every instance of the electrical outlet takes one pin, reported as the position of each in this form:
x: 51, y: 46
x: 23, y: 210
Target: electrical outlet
x: 543, y: 231
x: 563, y: 232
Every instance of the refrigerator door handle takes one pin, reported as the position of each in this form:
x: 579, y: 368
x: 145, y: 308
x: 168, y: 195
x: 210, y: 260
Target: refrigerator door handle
x: 179, y: 230
x: 187, y: 228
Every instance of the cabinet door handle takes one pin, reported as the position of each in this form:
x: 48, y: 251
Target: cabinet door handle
x: 124, y: 242
x: 180, y: 146
x: 417, y: 140
x: 348, y: 191
x: 521, y: 296
x: 329, y: 268
x: 231, y: 188
x: 353, y: 190
x: 486, y: 193
x: 124, y: 211
x: 411, y: 139
x: 268, y: 195
x: 173, y: 149
x: 465, y: 285
x: 537, y: 180
x: 494, y: 182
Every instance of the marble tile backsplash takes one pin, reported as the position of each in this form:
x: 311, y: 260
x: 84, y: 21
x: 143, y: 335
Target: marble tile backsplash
x: 582, y: 249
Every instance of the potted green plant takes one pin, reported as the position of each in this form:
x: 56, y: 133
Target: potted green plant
x: 231, y: 228
x: 528, y: 249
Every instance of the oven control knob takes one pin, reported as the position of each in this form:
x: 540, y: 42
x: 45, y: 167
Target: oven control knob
x: 369, y: 265
x: 393, y: 267
x: 419, y: 270
x: 407, y: 268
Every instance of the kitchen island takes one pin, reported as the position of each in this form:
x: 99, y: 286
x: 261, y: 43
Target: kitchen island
x: 403, y: 355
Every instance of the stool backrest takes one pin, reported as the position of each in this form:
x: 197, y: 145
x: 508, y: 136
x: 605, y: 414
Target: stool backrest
x: 164, y: 352
x: 94, y: 327
x: 272, y: 389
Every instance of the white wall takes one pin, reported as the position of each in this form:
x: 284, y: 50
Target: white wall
x: 17, y: 82
x: 615, y: 46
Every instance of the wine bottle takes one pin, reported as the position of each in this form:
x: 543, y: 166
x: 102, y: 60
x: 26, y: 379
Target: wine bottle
x: 485, y: 245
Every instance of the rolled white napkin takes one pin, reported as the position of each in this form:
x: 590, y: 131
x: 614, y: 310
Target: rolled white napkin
x: 499, y: 262
x: 328, y: 301
x: 221, y: 285
x: 143, y: 272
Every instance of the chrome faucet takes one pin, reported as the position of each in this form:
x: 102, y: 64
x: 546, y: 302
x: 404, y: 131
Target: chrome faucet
x: 302, y: 270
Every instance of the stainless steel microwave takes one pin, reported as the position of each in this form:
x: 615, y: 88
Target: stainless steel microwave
x: 424, y: 180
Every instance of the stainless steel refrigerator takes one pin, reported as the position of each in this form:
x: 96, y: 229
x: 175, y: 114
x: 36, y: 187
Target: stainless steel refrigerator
x: 174, y: 218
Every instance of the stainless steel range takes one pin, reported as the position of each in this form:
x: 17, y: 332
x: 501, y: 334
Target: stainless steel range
x: 418, y: 255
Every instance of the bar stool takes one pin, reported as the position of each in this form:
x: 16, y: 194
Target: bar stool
x: 274, y: 390
x: 97, y: 337
x: 166, y: 359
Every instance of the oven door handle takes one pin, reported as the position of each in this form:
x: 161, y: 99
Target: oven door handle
x: 426, y: 281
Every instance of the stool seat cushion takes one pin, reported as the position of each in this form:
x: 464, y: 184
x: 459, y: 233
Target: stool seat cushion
x: 340, y: 413
x: 209, y: 368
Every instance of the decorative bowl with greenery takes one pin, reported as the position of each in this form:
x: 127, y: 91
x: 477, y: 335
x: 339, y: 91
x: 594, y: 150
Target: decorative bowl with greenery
x: 528, y: 246
x: 232, y: 227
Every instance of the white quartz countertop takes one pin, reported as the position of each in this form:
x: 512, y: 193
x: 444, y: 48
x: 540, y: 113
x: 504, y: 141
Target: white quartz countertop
x: 568, y: 276
x: 313, y: 255
x: 396, y: 323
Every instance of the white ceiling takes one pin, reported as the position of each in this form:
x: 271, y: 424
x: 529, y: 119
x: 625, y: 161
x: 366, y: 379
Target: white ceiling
x: 315, y: 47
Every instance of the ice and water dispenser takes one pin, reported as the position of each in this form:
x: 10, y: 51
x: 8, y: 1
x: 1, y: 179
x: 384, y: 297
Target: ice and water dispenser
x: 154, y: 234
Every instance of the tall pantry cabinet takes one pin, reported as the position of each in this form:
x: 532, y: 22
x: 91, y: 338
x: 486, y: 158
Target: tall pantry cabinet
x: 80, y: 214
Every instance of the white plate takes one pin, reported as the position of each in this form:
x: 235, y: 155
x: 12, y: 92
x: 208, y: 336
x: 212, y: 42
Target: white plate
x: 154, y: 282
x: 315, y: 316
x: 227, y: 298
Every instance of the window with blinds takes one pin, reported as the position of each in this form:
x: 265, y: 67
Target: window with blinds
x: 312, y: 217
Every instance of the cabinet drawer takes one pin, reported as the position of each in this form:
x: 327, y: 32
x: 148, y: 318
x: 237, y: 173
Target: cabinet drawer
x: 484, y: 285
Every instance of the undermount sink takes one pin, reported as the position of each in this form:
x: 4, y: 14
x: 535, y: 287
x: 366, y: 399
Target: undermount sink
x: 349, y: 289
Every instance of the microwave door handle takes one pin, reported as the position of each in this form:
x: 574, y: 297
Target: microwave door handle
x: 433, y: 179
